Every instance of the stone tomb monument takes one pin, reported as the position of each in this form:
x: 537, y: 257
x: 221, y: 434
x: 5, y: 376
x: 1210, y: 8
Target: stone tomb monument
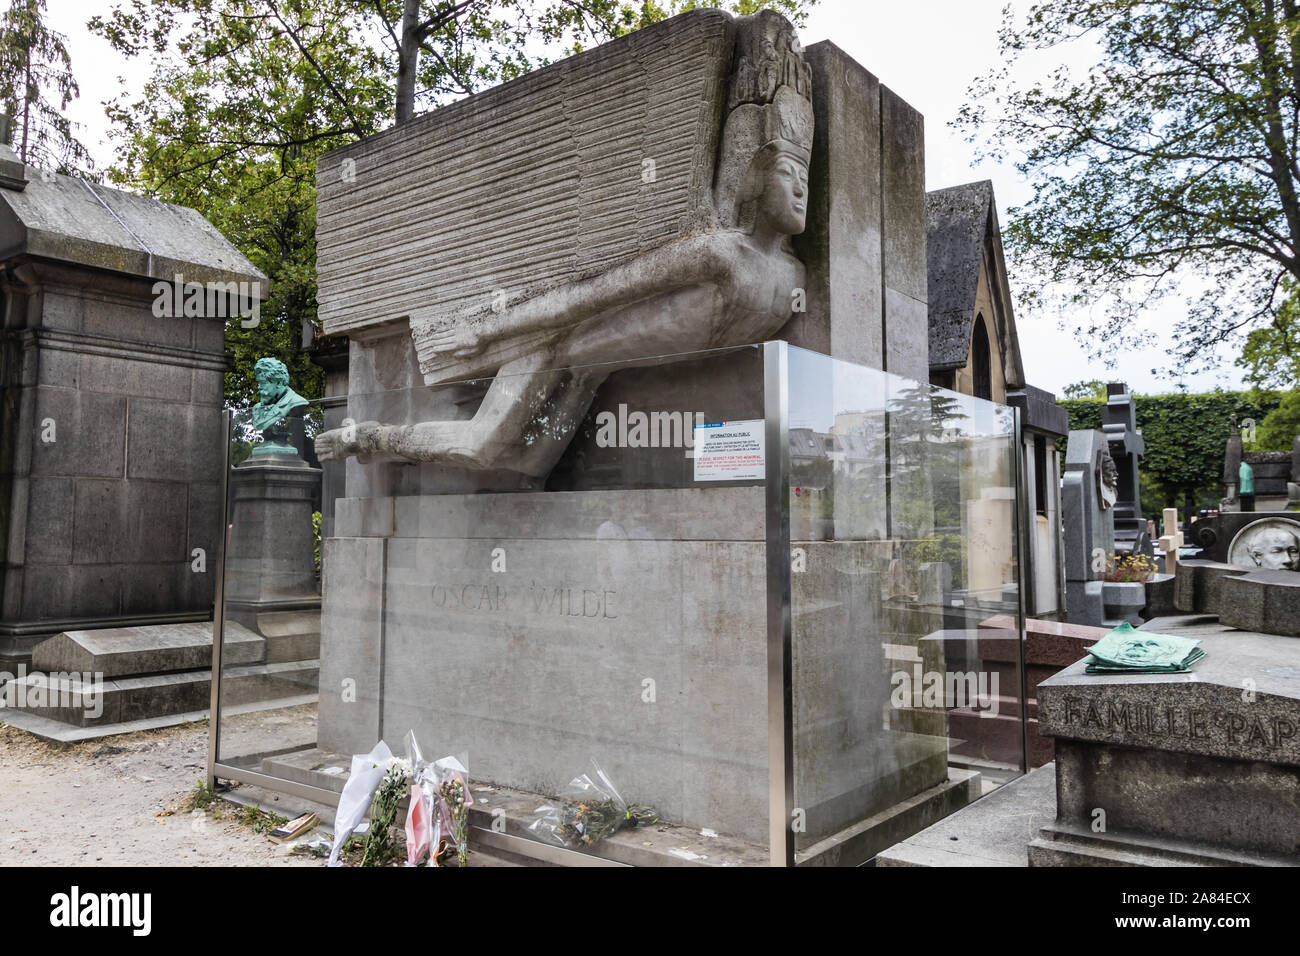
x: 115, y: 308
x: 1200, y: 768
x: 1185, y: 769
x: 1088, y: 494
x: 1119, y: 423
x: 505, y: 583
x: 1247, y: 572
x: 111, y: 459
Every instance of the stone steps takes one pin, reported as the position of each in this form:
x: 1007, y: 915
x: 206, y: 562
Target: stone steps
x: 507, y: 814
x: 137, y: 698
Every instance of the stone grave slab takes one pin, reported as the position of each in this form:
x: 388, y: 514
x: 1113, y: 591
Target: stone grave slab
x: 150, y: 649
x: 1267, y: 601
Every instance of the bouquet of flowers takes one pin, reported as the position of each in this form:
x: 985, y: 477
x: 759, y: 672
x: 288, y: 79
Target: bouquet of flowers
x: 422, y: 819
x: 592, y: 810
x: 383, y: 811
x: 366, y: 775
x: 454, y: 801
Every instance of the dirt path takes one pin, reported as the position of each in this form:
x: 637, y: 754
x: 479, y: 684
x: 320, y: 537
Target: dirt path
x: 121, y: 801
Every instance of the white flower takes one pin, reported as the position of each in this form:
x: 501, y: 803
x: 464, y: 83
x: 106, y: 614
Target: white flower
x: 396, y: 768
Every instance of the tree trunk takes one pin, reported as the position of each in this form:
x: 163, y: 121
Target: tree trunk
x: 408, y: 58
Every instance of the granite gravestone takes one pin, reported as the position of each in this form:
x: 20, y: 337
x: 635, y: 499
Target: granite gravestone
x: 1088, y: 493
x: 1177, y: 769
x: 1119, y: 424
x: 662, y: 176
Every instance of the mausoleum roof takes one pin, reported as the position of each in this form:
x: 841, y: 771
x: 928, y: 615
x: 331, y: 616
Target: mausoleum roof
x: 71, y: 220
x: 961, y: 223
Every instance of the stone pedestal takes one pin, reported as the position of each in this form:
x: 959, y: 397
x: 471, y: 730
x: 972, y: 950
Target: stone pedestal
x: 270, y: 568
x: 1123, y: 601
x: 523, y: 629
x: 1200, y: 768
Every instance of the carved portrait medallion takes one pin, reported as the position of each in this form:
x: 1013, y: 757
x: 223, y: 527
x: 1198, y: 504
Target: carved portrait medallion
x: 1271, y: 544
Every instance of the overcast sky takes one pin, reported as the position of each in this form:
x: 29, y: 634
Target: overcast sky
x: 927, y: 51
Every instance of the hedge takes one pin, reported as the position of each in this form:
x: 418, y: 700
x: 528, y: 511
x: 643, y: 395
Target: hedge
x: 1185, y: 438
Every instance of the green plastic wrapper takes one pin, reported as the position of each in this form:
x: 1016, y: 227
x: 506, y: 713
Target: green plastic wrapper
x: 1126, y: 650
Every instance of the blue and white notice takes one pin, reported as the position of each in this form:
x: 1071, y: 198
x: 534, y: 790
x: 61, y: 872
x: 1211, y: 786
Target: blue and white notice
x: 730, y: 451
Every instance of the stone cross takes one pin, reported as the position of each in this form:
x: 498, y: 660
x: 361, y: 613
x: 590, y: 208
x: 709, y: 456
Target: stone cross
x: 1119, y: 422
x: 1171, y: 540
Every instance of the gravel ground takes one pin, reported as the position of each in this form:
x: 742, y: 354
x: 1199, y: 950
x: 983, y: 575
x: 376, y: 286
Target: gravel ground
x: 120, y: 801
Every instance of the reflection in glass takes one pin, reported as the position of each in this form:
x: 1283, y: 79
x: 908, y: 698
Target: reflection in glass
x: 616, y: 609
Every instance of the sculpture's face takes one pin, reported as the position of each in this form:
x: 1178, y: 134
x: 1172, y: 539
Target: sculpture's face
x: 1139, y: 651
x: 784, y: 201
x: 269, y: 390
x: 1107, y: 479
x: 1276, y: 550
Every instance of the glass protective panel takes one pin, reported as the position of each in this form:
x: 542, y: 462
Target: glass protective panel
x: 566, y: 569
x: 904, y: 609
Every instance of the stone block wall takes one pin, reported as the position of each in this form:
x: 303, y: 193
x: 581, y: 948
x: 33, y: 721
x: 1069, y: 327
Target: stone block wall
x: 112, y: 453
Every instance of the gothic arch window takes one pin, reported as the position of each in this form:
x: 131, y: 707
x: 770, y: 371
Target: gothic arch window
x: 981, y: 361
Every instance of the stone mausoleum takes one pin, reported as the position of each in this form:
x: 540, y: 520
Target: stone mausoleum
x: 111, y: 456
x: 975, y: 350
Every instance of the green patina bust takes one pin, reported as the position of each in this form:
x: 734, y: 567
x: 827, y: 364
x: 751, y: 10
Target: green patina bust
x: 278, y: 400
x: 1246, y: 478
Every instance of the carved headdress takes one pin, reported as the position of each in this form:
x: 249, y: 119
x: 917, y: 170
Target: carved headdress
x: 769, y: 110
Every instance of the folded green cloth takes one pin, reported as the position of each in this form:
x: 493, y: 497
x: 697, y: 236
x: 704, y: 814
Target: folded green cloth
x: 1126, y: 650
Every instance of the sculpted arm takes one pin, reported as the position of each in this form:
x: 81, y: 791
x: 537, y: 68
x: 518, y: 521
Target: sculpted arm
x: 687, y: 262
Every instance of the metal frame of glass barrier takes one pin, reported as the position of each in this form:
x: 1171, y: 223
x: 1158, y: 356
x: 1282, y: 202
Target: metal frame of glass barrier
x: 1022, y: 549
x: 779, y: 639
x: 780, y: 630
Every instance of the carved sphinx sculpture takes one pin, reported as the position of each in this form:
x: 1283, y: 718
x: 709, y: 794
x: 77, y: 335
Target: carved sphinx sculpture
x: 729, y: 285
